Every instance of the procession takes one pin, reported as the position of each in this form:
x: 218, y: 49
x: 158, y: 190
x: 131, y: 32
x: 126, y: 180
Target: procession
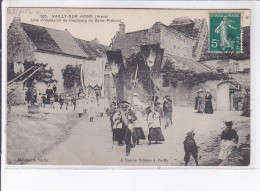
x: 157, y: 96
x: 131, y: 124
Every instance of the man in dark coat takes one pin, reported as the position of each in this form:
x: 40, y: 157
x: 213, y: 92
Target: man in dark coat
x: 208, y: 103
x: 128, y: 118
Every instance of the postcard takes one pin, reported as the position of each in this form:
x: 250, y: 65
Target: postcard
x: 128, y: 87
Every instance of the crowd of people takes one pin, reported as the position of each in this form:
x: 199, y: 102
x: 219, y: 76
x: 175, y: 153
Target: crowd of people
x: 132, y: 122
x: 79, y: 102
x: 129, y: 122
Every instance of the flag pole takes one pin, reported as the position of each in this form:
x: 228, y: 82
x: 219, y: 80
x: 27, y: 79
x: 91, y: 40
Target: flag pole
x: 135, y: 82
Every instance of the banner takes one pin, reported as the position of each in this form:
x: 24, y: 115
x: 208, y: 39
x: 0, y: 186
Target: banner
x: 92, y: 73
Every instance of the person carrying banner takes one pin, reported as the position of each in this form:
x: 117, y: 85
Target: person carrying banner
x: 128, y: 118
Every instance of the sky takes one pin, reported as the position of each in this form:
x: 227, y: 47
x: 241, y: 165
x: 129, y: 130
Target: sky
x: 134, y: 19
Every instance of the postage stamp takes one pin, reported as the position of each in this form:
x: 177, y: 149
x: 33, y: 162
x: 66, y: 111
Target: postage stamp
x: 127, y: 87
x: 225, y: 32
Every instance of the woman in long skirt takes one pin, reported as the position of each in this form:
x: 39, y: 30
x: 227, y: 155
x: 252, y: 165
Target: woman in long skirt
x: 154, y: 123
x: 208, y: 103
x: 118, y: 133
x: 138, y: 132
x: 200, y: 105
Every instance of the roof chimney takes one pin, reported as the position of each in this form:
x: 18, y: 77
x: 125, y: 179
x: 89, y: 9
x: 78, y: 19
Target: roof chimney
x: 95, y: 41
x: 122, y: 28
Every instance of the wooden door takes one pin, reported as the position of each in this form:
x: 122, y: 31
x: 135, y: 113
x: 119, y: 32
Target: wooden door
x: 223, y: 97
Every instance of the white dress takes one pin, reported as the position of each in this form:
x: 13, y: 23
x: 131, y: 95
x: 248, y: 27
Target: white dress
x: 80, y: 106
x: 154, y: 119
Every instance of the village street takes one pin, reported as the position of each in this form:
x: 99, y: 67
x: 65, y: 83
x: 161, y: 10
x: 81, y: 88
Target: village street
x: 91, y: 143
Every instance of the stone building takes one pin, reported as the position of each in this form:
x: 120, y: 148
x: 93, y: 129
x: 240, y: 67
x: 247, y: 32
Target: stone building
x: 182, y: 42
x: 57, y: 48
x: 185, y: 44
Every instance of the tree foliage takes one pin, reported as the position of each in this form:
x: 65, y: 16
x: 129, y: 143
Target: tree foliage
x: 44, y: 75
x: 71, y: 76
x: 189, y: 78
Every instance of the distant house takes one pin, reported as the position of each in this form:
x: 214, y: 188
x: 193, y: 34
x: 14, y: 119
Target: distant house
x: 57, y: 48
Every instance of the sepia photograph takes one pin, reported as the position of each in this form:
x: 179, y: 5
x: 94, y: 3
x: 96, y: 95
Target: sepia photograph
x: 128, y: 87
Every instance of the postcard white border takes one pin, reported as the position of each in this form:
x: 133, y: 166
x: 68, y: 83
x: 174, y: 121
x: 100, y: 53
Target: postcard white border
x: 152, y: 4
x: 178, y: 179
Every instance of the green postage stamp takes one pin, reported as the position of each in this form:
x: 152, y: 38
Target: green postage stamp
x: 225, y: 32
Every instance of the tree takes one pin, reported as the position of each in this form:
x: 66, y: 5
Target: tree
x: 44, y: 75
x: 71, y: 75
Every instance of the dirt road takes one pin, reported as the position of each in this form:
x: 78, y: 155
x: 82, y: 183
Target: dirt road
x: 91, y: 143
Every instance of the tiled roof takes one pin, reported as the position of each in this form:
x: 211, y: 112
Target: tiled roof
x: 62, y: 42
x: 192, y: 65
x: 66, y: 42
x: 125, y: 42
x: 41, y: 38
x: 92, y: 48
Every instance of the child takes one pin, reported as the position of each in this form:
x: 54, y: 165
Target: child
x: 52, y: 99
x: 67, y: 101
x: 229, y: 140
x: 190, y: 148
x: 61, y: 100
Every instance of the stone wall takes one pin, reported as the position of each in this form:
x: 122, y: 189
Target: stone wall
x: 175, y: 43
x: 19, y: 46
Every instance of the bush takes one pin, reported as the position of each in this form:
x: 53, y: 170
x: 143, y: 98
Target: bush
x: 71, y: 75
x: 189, y: 78
x: 43, y: 75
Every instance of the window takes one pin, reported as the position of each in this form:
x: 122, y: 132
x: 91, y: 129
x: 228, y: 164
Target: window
x: 165, y: 81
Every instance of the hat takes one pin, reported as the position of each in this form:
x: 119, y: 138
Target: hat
x: 207, y: 90
x: 190, y: 133
x: 229, y: 122
x: 200, y: 90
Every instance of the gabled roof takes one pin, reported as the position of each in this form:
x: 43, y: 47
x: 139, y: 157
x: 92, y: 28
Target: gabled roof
x: 125, y: 42
x: 62, y: 42
x: 92, y: 48
x: 66, y: 42
x: 41, y: 38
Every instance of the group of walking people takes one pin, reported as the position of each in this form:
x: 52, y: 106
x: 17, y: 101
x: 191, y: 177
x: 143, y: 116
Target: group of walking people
x: 90, y: 105
x: 131, y: 123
